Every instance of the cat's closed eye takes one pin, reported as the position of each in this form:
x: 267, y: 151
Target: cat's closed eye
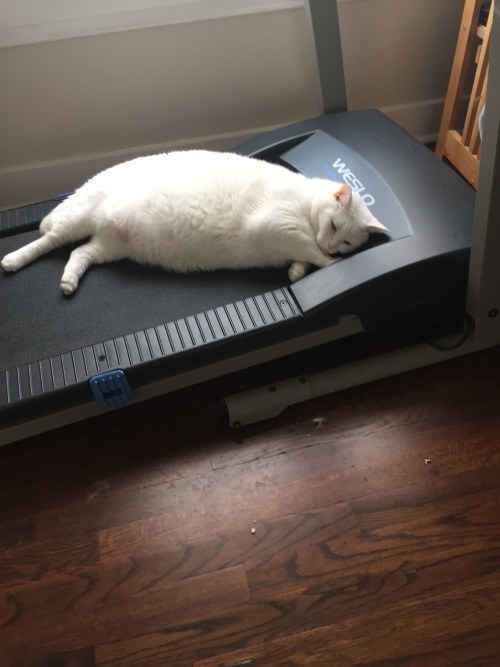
x: 347, y: 242
x: 334, y: 228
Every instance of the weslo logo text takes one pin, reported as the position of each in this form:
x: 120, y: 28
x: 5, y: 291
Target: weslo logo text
x: 351, y: 180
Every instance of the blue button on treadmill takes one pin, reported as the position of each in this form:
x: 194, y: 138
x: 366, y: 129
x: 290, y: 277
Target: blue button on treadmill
x: 111, y: 389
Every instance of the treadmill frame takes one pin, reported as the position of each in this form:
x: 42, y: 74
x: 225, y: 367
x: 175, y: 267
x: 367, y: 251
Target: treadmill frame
x: 483, y: 302
x: 483, y: 293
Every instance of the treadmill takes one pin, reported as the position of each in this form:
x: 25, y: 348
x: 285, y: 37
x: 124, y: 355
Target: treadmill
x: 131, y: 332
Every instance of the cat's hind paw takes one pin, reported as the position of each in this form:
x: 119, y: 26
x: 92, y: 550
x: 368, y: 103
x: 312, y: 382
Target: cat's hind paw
x: 68, y: 286
x: 297, y: 271
x: 11, y: 262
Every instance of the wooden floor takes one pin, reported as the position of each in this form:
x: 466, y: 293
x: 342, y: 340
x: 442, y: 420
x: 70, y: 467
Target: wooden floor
x: 360, y: 529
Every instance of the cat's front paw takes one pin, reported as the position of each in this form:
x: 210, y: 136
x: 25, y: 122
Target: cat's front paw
x: 11, y: 262
x: 297, y: 271
x: 68, y: 286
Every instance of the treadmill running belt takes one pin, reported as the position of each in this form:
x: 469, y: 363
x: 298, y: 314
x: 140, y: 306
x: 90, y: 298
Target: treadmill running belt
x: 113, y: 299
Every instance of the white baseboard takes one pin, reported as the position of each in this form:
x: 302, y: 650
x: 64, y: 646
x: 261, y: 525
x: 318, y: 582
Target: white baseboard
x: 26, y: 183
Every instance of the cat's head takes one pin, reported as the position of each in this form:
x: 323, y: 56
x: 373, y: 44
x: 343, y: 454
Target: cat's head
x: 341, y: 219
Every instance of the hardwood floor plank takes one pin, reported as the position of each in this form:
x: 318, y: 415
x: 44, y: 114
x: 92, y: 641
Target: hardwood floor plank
x: 267, y: 621
x: 335, y: 471
x: 159, y: 533
x: 99, y: 605
x: 291, y: 541
x: 37, y: 560
x: 28, y: 657
x: 345, y: 562
x: 407, y: 549
x: 15, y: 529
x: 478, y: 648
x: 381, y: 636
x: 228, y: 548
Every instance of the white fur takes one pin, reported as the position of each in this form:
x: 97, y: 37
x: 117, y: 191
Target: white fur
x: 193, y: 210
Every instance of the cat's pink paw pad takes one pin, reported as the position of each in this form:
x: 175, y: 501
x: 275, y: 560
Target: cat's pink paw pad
x: 10, y: 262
x: 68, y: 286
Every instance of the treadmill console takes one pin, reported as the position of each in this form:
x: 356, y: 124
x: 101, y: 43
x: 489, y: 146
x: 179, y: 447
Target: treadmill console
x: 425, y: 205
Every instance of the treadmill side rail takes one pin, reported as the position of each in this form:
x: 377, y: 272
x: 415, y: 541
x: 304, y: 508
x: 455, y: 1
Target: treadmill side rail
x: 102, y: 365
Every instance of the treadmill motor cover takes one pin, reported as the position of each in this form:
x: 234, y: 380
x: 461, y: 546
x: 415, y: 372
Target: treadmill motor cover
x: 155, y: 324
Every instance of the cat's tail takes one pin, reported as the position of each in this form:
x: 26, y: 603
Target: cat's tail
x: 72, y: 218
x: 70, y: 221
x: 46, y: 224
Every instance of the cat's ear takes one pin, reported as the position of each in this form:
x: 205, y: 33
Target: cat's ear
x: 376, y: 227
x: 344, y: 195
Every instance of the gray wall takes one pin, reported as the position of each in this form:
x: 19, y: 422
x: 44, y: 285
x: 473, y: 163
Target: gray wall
x: 398, y: 55
x: 74, y: 106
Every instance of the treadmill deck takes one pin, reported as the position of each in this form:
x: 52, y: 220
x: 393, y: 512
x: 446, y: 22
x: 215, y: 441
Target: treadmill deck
x: 144, y: 319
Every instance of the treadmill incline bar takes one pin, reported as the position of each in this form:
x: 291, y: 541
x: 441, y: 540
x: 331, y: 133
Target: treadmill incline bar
x: 140, y: 347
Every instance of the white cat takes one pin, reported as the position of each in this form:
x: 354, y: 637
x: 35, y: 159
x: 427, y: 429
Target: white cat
x: 193, y: 210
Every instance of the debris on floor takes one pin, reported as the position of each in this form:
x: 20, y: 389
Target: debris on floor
x: 427, y: 460
x: 319, y: 421
x: 253, y: 530
x: 240, y: 663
